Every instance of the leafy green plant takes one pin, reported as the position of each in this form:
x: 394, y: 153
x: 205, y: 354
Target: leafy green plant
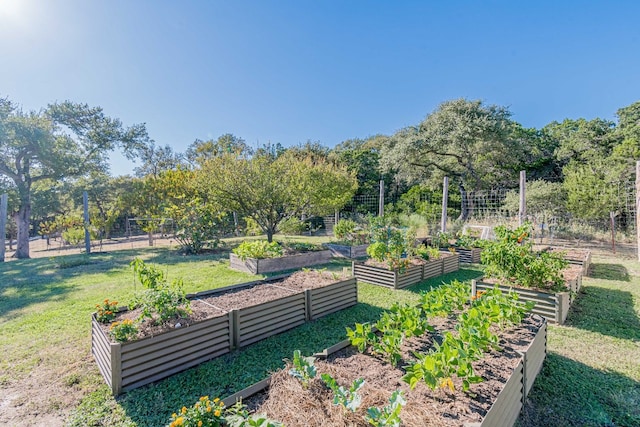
x: 362, y: 336
x: 392, y: 246
x: 347, y: 398
x: 149, y: 276
x: 445, y: 299
x: 259, y: 249
x: 303, y: 368
x: 160, y: 301
x: 512, y: 258
x: 388, y: 415
x: 204, y: 413
x: 106, y: 311
x: 344, y: 228
x: 301, y: 247
x: 238, y: 416
x: 388, y: 345
x: 428, y: 252
x: 123, y: 331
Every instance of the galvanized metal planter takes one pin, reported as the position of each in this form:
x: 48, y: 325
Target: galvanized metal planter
x: 129, y: 365
x: 413, y: 274
x: 505, y: 409
x: 345, y: 251
x: 552, y: 306
x: 271, y: 265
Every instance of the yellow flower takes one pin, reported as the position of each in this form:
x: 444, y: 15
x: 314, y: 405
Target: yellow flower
x: 204, y: 398
x: 184, y: 410
x: 174, y: 415
x: 208, y: 408
x: 179, y: 421
x: 216, y: 400
x: 447, y: 383
x: 199, y: 423
x: 217, y: 413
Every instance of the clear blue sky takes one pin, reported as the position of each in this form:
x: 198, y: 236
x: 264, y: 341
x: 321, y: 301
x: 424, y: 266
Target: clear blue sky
x: 292, y: 71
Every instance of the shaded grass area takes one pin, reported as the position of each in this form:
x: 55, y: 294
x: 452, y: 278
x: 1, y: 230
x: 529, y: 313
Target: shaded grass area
x: 592, y: 373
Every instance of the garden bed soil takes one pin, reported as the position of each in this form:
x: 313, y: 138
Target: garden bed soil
x: 287, y: 401
x: 219, y: 304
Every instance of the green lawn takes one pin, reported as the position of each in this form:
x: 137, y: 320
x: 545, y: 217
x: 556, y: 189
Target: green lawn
x: 591, y: 376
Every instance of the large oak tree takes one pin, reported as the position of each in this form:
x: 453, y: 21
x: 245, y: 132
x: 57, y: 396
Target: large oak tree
x: 64, y: 140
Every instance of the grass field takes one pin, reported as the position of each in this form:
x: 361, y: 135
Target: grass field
x: 48, y: 376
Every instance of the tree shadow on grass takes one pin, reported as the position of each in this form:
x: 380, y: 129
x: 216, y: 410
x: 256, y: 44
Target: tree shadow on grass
x: 606, y: 311
x: 153, y: 405
x: 569, y: 393
x: 33, y: 281
x: 609, y: 272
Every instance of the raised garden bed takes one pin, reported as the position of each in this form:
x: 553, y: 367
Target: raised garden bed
x: 235, y: 316
x: 418, y: 271
x: 346, y: 251
x: 578, y: 257
x: 509, y: 376
x: 271, y: 265
x: 467, y: 256
x: 552, y: 306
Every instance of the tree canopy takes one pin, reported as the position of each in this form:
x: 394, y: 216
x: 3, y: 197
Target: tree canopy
x: 269, y: 190
x: 62, y: 141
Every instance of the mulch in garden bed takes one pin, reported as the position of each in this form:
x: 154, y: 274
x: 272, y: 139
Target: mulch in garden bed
x: 219, y: 304
x: 288, y: 401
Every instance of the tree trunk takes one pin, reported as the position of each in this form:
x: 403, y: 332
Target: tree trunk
x: 150, y: 237
x: 464, y: 204
x: 22, y: 222
x: 269, y: 234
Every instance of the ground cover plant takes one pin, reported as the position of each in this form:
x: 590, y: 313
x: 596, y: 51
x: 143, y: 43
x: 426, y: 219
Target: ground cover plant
x: 48, y: 377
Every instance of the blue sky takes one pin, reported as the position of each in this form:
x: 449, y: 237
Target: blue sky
x: 327, y: 71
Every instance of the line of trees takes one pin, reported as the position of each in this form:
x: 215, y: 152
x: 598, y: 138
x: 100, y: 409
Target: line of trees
x: 48, y: 158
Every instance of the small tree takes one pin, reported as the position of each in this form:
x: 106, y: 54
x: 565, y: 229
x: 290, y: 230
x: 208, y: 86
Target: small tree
x: 269, y: 189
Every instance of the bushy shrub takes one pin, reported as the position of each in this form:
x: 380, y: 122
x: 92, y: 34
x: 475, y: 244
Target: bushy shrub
x: 292, y: 226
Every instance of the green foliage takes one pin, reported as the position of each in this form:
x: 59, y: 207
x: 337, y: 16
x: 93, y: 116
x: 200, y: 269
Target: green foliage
x: 455, y: 355
x: 292, y: 226
x: 123, y: 331
x: 269, y: 189
x: 512, y: 258
x: 198, y: 225
x: 75, y: 236
x: 428, y: 252
x: 344, y: 228
x: 303, y: 368
x: 445, y: 299
x: 160, y: 301
x: 391, y: 246
x: 361, y: 336
x: 301, y: 247
x: 258, y: 249
x: 204, y: 413
x: 543, y: 198
x: 347, y: 398
x: 388, y: 415
x: 106, y: 311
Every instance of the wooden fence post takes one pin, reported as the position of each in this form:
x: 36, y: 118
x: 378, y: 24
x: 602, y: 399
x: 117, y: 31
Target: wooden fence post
x: 3, y: 223
x: 87, y: 236
x: 638, y: 207
x: 445, y: 199
x: 381, y: 201
x: 522, y: 213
